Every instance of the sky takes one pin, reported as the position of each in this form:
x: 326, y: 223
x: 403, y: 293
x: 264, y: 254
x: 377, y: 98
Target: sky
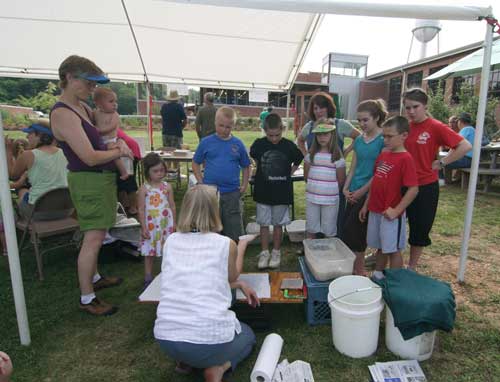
x: 387, y: 40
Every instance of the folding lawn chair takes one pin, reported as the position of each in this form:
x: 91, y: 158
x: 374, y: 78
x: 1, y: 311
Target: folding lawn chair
x: 58, y: 204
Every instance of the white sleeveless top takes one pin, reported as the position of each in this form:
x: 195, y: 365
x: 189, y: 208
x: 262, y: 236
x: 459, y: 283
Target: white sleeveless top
x: 195, y: 293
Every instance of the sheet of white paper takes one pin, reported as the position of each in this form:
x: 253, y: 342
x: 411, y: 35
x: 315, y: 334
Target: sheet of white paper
x: 298, y: 371
x: 152, y: 292
x: 280, y: 370
x: 404, y: 371
x: 259, y: 283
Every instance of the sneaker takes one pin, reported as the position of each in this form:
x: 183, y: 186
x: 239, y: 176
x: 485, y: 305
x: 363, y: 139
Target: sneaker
x: 107, y: 282
x: 98, y: 308
x: 442, y: 183
x: 124, y: 221
x: 264, y: 257
x: 275, y: 259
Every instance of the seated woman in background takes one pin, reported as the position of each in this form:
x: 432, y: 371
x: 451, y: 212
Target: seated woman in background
x: 194, y: 325
x: 44, y: 164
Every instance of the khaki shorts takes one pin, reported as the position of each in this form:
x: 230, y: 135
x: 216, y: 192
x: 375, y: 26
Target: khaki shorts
x: 94, y: 197
x: 272, y: 215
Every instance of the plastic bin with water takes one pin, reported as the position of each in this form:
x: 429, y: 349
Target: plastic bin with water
x: 328, y: 258
x: 296, y: 231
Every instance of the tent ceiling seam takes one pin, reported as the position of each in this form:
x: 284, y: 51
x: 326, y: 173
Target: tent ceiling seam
x: 147, y: 27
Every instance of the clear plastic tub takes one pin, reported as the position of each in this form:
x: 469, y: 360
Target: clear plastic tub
x: 328, y: 258
x: 296, y: 231
x: 254, y: 228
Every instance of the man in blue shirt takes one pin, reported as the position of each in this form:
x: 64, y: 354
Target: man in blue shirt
x: 467, y: 131
x: 173, y: 120
x: 224, y: 156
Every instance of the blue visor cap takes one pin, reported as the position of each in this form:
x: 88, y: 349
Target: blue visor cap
x: 100, y: 79
x: 38, y: 128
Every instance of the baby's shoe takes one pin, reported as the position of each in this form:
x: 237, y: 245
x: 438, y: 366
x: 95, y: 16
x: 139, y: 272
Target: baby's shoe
x: 263, y: 259
x: 275, y: 259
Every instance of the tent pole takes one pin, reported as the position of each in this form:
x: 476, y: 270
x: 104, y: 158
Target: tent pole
x: 12, y: 248
x: 149, y: 111
x: 288, y: 98
x: 481, y: 111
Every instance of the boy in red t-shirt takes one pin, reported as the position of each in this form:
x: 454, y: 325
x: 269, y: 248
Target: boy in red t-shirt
x: 386, y: 201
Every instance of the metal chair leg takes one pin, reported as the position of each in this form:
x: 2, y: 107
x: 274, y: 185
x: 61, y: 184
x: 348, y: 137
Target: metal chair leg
x: 38, y: 255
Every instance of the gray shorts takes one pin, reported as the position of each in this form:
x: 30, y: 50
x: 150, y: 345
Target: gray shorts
x: 172, y: 141
x: 231, y: 214
x: 272, y: 215
x: 387, y: 235
x: 322, y: 218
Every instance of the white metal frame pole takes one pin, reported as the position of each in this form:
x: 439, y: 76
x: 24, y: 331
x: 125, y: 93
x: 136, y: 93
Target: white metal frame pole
x: 288, y: 99
x: 149, y: 119
x: 481, y: 111
x: 12, y: 248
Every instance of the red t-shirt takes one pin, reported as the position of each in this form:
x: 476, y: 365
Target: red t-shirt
x: 131, y: 143
x: 393, y: 171
x: 423, y: 144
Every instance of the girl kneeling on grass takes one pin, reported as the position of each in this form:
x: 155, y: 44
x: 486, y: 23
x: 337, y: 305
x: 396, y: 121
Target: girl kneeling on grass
x: 156, y: 212
x: 194, y: 325
x: 324, y: 171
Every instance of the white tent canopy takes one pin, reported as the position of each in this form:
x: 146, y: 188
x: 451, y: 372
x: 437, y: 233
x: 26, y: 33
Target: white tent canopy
x: 214, y: 43
x: 179, y: 43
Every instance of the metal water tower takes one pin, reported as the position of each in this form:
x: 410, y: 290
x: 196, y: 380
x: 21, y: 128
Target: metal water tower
x: 424, y: 32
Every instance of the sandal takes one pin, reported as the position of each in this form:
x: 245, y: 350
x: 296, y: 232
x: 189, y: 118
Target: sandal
x: 182, y: 368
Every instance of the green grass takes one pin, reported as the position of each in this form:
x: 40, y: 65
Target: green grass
x: 70, y: 346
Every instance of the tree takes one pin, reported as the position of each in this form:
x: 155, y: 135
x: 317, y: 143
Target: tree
x: 437, y: 105
x: 43, y: 101
x: 468, y: 102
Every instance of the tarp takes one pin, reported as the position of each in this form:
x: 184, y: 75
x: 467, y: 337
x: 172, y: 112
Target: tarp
x: 470, y: 64
x: 190, y: 44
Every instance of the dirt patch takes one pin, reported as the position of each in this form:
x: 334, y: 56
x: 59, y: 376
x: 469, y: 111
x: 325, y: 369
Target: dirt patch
x: 481, y: 290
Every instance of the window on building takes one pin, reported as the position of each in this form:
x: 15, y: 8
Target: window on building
x: 434, y: 85
x: 494, y: 84
x: 394, y: 101
x: 414, y: 80
x: 457, y: 85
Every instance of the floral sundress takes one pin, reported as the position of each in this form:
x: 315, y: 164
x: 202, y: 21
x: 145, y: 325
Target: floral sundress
x: 159, y: 220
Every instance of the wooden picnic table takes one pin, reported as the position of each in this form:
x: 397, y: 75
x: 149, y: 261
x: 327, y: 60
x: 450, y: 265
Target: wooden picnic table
x: 489, y: 154
x: 173, y: 157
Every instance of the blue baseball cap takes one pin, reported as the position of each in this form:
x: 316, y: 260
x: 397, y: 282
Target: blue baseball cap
x: 99, y: 78
x: 38, y: 128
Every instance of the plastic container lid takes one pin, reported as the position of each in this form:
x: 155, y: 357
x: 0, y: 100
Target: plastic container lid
x: 328, y: 258
x: 296, y: 226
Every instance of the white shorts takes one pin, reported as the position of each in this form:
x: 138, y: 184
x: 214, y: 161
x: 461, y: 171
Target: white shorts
x: 322, y: 218
x: 272, y: 215
x: 387, y: 235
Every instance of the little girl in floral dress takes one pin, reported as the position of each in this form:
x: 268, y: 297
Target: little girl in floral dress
x: 156, y: 212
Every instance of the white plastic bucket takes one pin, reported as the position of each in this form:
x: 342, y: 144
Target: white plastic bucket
x: 356, y: 303
x: 419, y: 347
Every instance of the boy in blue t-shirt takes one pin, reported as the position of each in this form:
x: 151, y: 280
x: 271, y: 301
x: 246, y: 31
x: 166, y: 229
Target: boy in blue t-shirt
x: 224, y: 156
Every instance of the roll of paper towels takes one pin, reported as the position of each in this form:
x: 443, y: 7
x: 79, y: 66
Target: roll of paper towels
x: 267, y: 359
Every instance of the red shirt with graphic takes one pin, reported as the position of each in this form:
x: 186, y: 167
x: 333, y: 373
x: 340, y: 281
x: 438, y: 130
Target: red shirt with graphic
x: 393, y: 171
x: 423, y: 144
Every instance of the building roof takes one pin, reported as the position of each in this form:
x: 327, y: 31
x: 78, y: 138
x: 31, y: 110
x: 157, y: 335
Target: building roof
x: 461, y: 50
x: 309, y: 78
